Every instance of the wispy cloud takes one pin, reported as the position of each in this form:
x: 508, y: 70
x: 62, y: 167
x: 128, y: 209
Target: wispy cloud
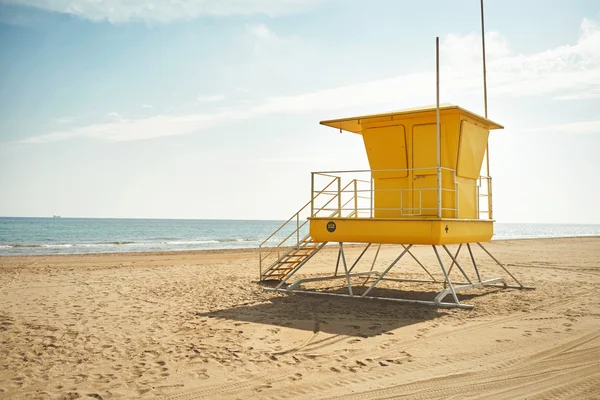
x: 590, y: 93
x: 147, y: 106
x: 569, y: 71
x: 136, y: 129
x: 584, y: 127
x: 117, y: 117
x: 261, y: 31
x: 288, y: 160
x: 120, y: 11
x: 262, y: 38
x: 65, y: 120
x: 210, y: 98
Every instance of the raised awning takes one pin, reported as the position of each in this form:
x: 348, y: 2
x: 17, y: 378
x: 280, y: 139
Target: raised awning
x: 354, y: 124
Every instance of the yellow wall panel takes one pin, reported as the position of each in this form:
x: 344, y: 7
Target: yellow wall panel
x: 386, y: 149
x: 471, y: 149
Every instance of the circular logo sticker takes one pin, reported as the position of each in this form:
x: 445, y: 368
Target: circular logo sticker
x: 331, y: 226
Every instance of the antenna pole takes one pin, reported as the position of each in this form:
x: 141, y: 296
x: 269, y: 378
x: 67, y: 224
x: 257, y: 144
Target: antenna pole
x: 484, y: 69
x: 437, y: 127
x: 487, y: 147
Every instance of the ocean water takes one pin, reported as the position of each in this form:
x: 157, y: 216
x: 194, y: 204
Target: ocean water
x: 23, y: 236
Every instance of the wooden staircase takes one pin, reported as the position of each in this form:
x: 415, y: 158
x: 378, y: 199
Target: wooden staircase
x: 292, y: 260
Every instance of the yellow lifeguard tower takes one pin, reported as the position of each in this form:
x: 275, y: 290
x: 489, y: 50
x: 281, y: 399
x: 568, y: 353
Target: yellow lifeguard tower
x: 423, y: 188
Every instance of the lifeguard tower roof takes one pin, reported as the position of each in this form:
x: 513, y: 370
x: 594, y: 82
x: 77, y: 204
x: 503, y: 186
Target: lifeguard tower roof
x: 355, y: 124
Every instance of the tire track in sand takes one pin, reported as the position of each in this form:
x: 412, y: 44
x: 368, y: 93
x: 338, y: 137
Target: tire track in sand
x: 261, y: 382
x: 562, y: 373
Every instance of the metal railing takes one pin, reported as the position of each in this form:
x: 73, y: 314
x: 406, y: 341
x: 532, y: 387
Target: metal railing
x: 342, y: 194
x: 292, y: 229
x: 487, y: 195
x: 361, y: 193
x: 293, y: 223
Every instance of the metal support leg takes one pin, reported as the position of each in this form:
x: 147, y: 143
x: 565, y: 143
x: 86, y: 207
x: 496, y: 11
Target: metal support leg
x: 337, y: 263
x: 346, y: 269
x: 421, y: 265
x: 452, y: 288
x: 298, y: 282
x: 375, y: 258
x: 446, y: 275
x: 474, y: 263
x: 455, y: 257
x: 359, y: 257
x: 372, y: 264
x: 502, y: 266
x: 384, y: 273
x: 455, y: 261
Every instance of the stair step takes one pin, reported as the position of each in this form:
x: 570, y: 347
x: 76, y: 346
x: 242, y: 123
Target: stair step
x: 279, y: 275
x: 290, y: 262
x: 308, y: 248
x: 300, y: 254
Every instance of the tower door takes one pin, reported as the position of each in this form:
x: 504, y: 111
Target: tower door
x: 424, y: 174
x: 386, y: 149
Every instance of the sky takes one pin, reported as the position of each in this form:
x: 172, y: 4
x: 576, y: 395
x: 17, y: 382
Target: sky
x: 210, y: 108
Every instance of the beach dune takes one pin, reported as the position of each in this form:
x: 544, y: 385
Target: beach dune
x: 197, y: 325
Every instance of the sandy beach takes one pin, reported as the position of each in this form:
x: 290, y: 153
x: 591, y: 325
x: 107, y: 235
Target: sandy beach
x: 197, y: 325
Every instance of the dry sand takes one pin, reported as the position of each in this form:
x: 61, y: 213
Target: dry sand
x: 196, y: 325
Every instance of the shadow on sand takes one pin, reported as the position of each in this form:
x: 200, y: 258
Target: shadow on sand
x: 338, y: 315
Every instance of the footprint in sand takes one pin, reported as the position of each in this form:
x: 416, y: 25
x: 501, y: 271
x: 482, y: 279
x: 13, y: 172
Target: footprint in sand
x: 296, y: 377
x: 200, y: 374
x: 262, y: 387
x: 394, y: 361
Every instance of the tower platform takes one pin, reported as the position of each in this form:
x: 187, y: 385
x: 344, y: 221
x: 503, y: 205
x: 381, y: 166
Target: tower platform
x: 432, y: 231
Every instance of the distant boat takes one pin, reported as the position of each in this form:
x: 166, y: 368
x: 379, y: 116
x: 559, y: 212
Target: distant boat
x: 56, y: 216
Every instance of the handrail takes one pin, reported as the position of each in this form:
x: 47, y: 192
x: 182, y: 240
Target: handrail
x: 330, y: 200
x: 487, y: 194
x: 294, y: 215
x: 335, y: 211
x: 285, y: 255
x: 295, y: 231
